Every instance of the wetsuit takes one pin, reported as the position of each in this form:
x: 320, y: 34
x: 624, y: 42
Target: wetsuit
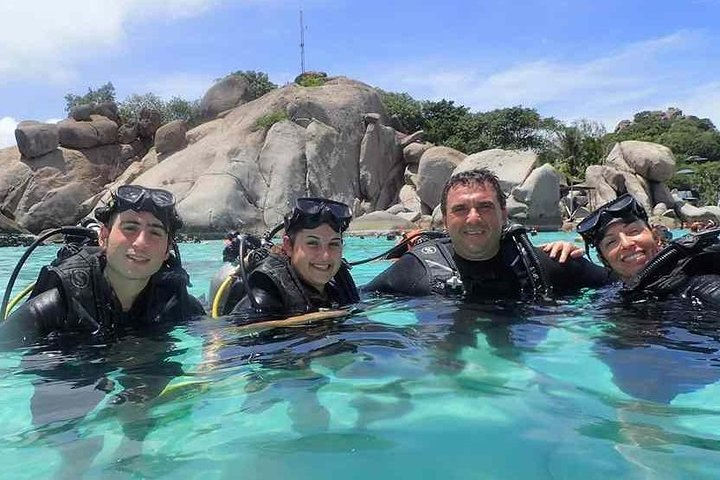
x: 688, y: 267
x: 72, y: 296
x: 518, y: 271
x: 277, y: 290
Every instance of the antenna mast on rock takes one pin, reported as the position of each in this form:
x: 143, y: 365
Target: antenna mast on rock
x: 302, y: 43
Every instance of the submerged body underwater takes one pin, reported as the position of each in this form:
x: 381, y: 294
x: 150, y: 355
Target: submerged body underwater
x: 422, y: 388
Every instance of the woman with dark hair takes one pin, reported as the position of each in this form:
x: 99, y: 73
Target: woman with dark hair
x: 308, y: 272
x: 626, y: 244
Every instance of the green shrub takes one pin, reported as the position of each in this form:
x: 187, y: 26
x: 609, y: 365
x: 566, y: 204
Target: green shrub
x: 311, y: 79
x: 267, y: 121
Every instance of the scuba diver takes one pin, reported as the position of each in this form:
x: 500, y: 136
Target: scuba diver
x: 106, y: 313
x: 304, y: 274
x: 665, y: 312
x: 688, y: 267
x: 132, y: 278
x: 231, y: 251
x: 483, y: 257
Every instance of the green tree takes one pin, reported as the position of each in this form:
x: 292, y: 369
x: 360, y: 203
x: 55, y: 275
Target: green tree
x: 405, y: 108
x: 105, y: 93
x: 259, y: 82
x: 576, y: 146
x: 174, y: 109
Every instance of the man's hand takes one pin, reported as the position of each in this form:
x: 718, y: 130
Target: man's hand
x: 562, y: 250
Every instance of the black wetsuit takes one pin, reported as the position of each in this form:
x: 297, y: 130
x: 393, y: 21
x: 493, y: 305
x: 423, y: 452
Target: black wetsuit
x: 74, y: 297
x: 689, y: 268
x: 433, y: 267
x: 277, y: 290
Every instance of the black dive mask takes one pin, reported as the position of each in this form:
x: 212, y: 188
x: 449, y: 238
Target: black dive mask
x: 160, y: 203
x: 625, y: 207
x: 312, y: 212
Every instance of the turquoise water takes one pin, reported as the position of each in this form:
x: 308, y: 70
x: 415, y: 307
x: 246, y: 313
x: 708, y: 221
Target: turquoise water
x: 421, y: 388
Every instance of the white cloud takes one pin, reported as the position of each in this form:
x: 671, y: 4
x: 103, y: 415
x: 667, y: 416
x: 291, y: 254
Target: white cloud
x: 638, y: 76
x: 7, y: 131
x: 45, y: 38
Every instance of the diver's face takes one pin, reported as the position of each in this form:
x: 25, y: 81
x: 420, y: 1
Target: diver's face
x: 315, y: 254
x: 136, y: 246
x: 474, y: 220
x: 628, y: 247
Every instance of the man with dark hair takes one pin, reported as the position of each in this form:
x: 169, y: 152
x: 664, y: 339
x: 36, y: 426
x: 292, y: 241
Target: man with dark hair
x: 483, y: 257
x: 132, y: 279
x: 106, y: 313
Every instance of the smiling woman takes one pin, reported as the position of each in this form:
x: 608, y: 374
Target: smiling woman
x: 687, y: 268
x: 308, y: 273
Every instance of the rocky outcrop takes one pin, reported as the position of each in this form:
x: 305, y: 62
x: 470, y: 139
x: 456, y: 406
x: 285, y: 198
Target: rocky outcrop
x: 238, y: 171
x: 47, y: 191
x: 87, y: 134
x: 641, y: 169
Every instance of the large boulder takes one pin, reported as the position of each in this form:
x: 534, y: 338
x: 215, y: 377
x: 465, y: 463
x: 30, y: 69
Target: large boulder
x: 651, y: 160
x: 148, y: 121
x: 601, y: 190
x: 381, y: 166
x: 691, y: 213
x: 413, y: 152
x: 171, y: 137
x: 541, y: 193
x: 35, y: 139
x: 80, y: 135
x: 511, y: 166
x: 436, y: 167
x: 227, y: 93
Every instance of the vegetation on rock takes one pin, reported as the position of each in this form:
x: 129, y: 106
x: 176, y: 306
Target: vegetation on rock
x: 267, y: 121
x: 258, y: 82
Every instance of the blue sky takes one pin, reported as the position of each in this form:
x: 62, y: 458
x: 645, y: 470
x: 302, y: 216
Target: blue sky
x: 570, y: 59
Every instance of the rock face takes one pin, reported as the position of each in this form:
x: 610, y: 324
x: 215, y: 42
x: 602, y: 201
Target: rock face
x: 380, y: 165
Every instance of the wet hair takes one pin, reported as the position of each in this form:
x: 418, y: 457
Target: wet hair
x: 480, y: 176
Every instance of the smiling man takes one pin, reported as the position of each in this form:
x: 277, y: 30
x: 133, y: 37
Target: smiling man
x: 483, y: 257
x: 132, y: 279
